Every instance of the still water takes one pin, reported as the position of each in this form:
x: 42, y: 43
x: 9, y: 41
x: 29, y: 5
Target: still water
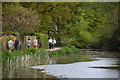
x: 82, y: 69
x: 87, y: 64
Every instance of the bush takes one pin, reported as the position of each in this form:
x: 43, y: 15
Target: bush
x: 5, y: 55
x: 64, y: 51
x: 71, y: 49
x: 1, y: 42
x: 30, y: 51
x: 42, y: 40
x: 41, y: 52
x: 60, y: 52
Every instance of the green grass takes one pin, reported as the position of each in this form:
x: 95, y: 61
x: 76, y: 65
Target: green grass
x: 73, y: 58
x: 66, y: 50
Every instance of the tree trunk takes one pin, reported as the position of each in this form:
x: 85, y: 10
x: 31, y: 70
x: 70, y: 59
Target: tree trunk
x: 4, y: 42
x: 59, y: 40
x: 59, y: 36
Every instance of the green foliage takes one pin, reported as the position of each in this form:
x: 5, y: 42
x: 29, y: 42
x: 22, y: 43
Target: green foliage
x: 16, y: 18
x: 1, y: 42
x: 85, y: 25
x: 5, y: 55
x: 53, y: 16
x: 41, y: 52
x: 102, y: 22
x: 73, y: 48
x: 30, y: 51
x: 73, y: 58
x: 42, y: 40
x: 10, y: 37
x: 80, y: 33
x: 66, y: 50
x: 16, y: 54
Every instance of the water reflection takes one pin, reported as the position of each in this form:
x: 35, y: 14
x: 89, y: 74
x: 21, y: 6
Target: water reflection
x: 82, y: 69
x: 20, y: 67
x: 52, y: 61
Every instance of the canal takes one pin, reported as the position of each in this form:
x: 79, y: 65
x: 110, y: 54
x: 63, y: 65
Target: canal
x: 86, y: 64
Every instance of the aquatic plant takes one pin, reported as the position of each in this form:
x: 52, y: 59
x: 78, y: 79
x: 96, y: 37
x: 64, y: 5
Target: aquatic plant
x: 33, y: 54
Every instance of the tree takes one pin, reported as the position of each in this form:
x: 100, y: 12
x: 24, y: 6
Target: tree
x: 81, y: 24
x: 17, y: 19
x: 102, y: 19
x: 54, y: 17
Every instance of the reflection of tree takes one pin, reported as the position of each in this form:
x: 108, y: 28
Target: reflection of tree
x: 35, y: 73
x: 46, y: 63
x: 115, y: 40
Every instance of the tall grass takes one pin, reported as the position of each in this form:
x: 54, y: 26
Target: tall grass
x: 33, y: 54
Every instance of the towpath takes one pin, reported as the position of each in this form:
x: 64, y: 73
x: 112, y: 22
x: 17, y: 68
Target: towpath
x: 53, y: 49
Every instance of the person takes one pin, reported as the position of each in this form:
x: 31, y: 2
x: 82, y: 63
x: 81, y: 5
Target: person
x: 17, y: 43
x: 35, y: 43
x: 10, y: 45
x: 28, y: 43
x: 54, y: 42
x: 41, y: 47
x: 50, y: 42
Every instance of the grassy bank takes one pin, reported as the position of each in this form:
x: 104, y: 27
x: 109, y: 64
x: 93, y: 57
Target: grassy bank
x: 66, y: 50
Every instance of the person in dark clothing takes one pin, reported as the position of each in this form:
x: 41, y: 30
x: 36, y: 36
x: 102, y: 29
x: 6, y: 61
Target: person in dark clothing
x: 28, y: 43
x: 50, y: 43
x: 17, y: 43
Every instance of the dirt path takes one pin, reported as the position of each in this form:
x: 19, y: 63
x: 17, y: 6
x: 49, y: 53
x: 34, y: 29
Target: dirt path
x: 53, y: 49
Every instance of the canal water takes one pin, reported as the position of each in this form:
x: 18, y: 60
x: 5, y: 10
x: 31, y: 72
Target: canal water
x: 86, y: 64
x: 82, y: 69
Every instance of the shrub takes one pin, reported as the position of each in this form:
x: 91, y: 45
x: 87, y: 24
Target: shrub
x: 64, y: 51
x: 5, y: 55
x: 41, y: 52
x: 30, y: 51
x: 1, y: 42
x: 73, y: 49
x: 42, y: 40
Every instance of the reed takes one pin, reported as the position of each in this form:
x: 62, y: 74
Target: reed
x: 32, y: 56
